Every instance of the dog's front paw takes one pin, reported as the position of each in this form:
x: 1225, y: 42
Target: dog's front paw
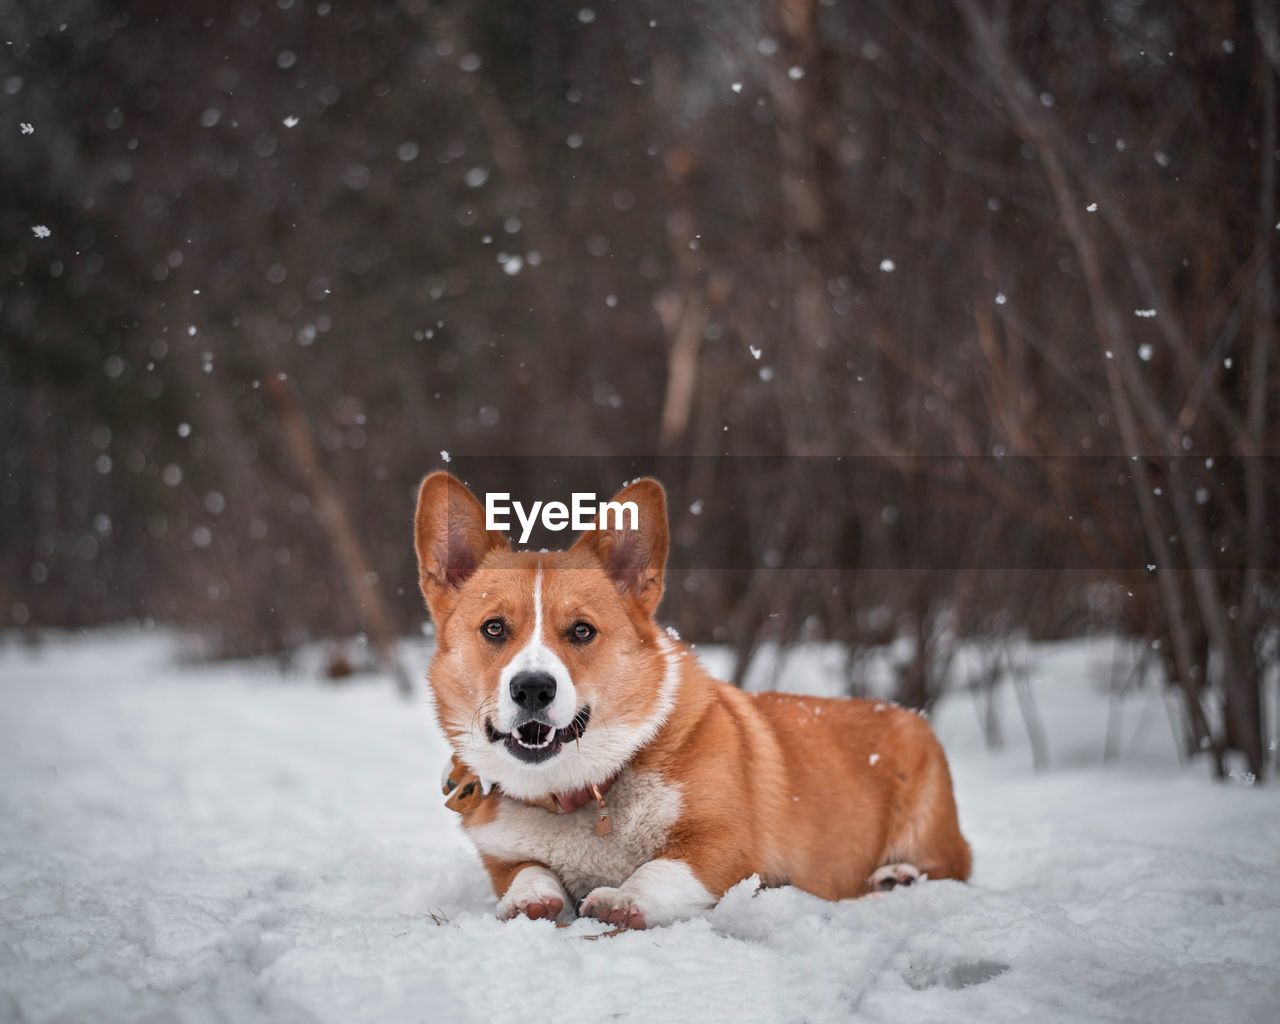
x: 534, y: 893
x: 613, y: 906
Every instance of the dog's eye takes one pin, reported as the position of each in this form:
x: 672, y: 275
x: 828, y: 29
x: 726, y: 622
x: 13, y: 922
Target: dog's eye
x: 581, y: 632
x: 494, y: 629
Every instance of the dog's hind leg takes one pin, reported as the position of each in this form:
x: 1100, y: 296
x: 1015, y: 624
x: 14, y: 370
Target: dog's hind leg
x: 924, y: 839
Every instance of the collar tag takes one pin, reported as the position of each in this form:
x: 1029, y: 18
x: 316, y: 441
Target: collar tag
x: 603, y: 825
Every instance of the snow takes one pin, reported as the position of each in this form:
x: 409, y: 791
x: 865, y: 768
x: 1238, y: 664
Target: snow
x: 187, y: 842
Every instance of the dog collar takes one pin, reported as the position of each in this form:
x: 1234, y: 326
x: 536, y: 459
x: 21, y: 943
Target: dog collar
x: 464, y: 792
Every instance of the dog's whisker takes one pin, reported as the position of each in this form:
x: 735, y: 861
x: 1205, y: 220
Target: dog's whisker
x: 481, y: 709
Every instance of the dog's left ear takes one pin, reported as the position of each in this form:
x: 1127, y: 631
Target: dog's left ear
x: 451, y: 540
x: 631, y: 540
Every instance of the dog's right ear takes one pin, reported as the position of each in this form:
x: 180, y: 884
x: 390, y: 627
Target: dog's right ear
x: 450, y: 535
x: 635, y: 556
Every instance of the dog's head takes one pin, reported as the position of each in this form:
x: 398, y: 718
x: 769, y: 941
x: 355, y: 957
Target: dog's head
x: 549, y: 671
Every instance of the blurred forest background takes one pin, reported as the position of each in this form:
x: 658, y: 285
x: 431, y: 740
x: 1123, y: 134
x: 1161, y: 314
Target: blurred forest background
x: 262, y: 261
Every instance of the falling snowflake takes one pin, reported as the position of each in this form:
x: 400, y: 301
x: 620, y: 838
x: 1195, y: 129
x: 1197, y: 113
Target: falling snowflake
x: 290, y: 121
x: 756, y: 353
x: 795, y: 73
x: 696, y: 508
x: 737, y: 87
x: 1091, y: 208
x: 512, y: 265
x: 873, y: 760
x: 29, y: 129
x: 40, y: 231
x: 1146, y: 314
x: 445, y: 457
x: 1001, y: 298
x: 888, y: 266
x: 1145, y: 352
x: 766, y: 373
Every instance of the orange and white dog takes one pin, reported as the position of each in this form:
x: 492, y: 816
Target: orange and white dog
x: 598, y: 766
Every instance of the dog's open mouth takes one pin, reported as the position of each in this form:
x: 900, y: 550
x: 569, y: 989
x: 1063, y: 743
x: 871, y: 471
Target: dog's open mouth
x: 534, y: 742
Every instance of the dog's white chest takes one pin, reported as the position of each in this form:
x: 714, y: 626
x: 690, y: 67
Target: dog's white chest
x: 642, y: 808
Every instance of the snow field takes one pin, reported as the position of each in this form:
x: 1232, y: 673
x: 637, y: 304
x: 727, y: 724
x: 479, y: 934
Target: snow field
x: 224, y: 844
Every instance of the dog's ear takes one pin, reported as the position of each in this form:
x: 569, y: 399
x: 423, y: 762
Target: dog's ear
x: 451, y: 539
x: 630, y: 541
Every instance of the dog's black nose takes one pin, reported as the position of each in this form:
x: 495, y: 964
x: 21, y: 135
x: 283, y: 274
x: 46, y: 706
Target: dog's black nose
x: 533, y: 691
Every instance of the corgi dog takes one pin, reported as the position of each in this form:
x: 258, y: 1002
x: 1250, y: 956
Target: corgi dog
x: 598, y: 768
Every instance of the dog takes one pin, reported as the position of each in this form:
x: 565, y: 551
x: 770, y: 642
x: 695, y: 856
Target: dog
x: 598, y: 767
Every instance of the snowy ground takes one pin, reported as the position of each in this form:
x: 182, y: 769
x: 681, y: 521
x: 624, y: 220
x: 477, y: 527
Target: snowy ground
x: 222, y: 844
